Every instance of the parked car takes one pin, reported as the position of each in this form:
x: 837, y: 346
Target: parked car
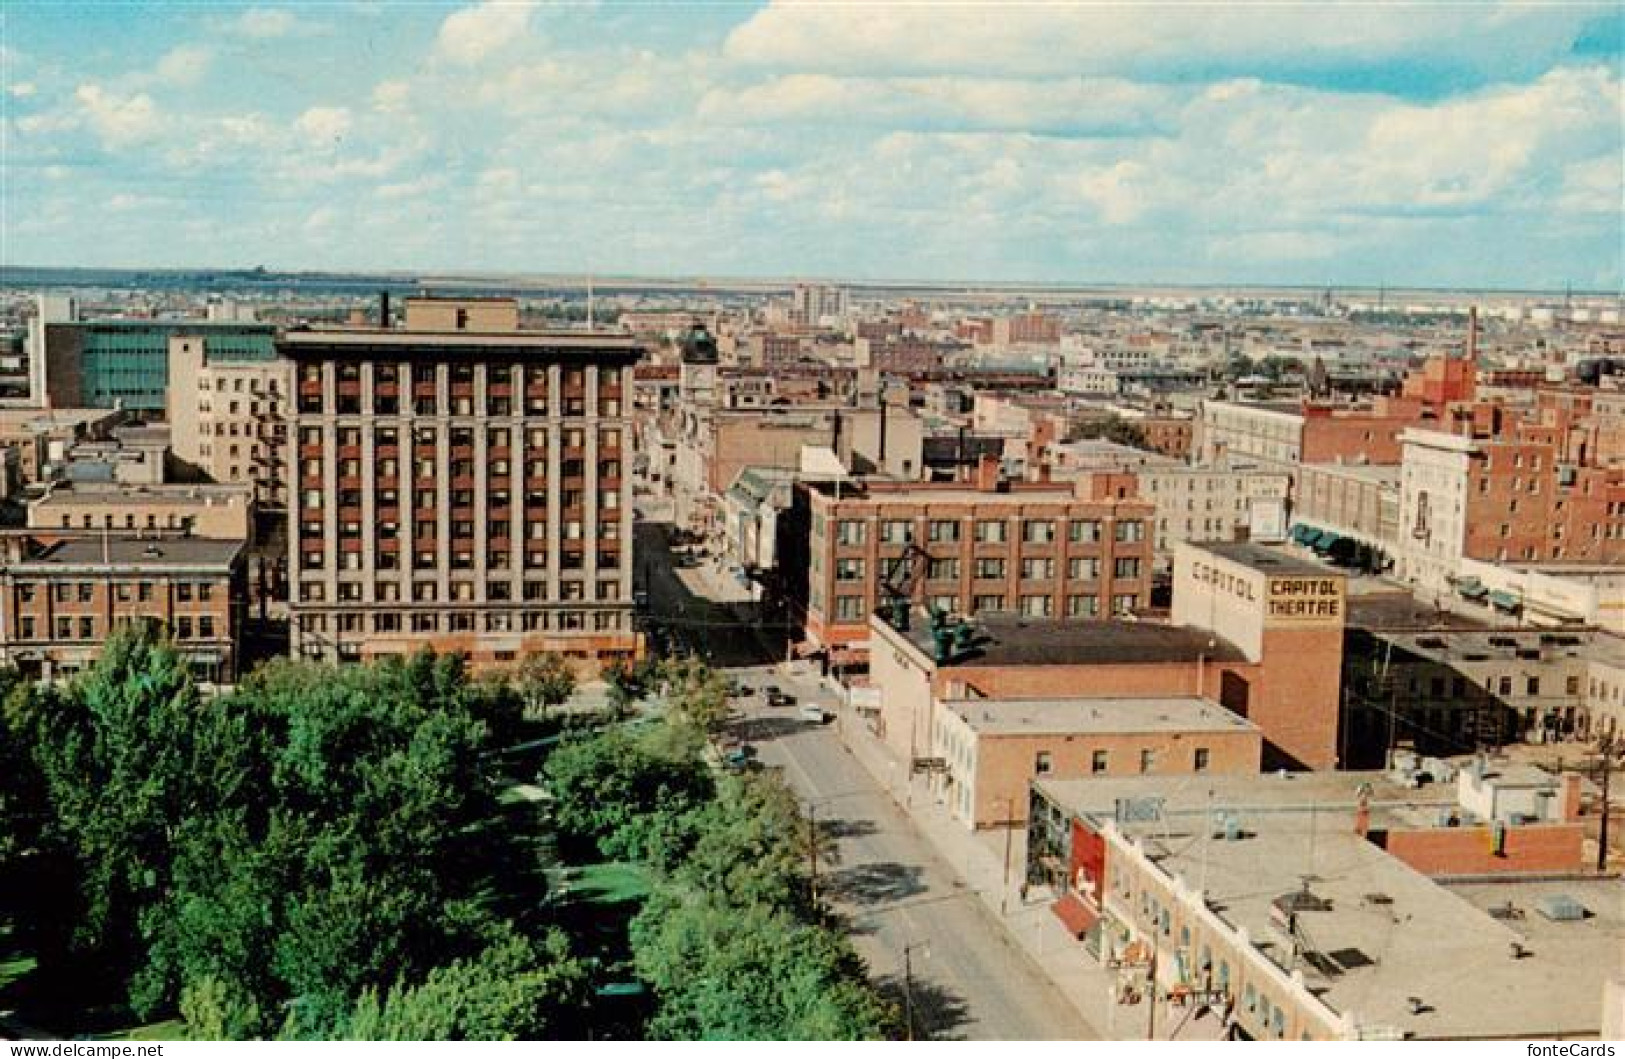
x: 814, y: 713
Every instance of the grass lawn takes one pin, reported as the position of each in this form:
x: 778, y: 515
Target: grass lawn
x: 168, y: 1030
x: 610, y: 883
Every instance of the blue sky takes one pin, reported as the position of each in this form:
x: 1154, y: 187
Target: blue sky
x: 1471, y: 144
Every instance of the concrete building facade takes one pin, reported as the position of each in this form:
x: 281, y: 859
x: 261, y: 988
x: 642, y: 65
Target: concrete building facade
x: 461, y: 490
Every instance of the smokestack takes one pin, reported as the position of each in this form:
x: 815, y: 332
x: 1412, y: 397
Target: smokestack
x: 383, y: 309
x: 883, y: 418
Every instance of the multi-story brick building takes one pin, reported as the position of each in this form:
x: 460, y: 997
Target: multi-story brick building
x: 226, y: 417
x: 1529, y: 493
x: 461, y: 488
x: 59, y: 603
x: 1043, y: 550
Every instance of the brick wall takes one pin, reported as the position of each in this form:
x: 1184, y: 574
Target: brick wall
x: 1467, y: 850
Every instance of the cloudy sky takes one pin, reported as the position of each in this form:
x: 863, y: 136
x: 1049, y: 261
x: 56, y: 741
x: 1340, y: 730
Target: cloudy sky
x: 1442, y: 144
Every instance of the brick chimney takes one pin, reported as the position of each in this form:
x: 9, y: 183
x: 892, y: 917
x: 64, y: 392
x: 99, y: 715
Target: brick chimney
x: 987, y: 473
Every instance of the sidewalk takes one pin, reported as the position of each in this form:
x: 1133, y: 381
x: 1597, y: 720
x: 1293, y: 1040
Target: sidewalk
x: 979, y: 862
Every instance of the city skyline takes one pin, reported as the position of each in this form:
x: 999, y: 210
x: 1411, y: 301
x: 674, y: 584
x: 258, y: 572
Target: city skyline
x: 1432, y: 145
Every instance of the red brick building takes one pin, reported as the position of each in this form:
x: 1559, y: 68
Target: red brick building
x: 1038, y: 549
x: 59, y: 603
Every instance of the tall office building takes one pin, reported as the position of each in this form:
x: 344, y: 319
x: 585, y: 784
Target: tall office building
x: 460, y: 484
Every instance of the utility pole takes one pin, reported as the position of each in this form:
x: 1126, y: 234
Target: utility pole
x: 908, y: 991
x: 1009, y: 835
x: 1602, y: 828
x: 1151, y: 996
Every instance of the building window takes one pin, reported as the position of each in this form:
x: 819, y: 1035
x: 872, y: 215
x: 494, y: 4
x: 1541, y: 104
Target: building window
x: 1038, y: 531
x: 1097, y: 763
x: 1083, y: 569
x: 894, y: 531
x: 944, y: 531
x: 1127, y: 568
x: 1200, y: 762
x: 1037, y: 569
x: 990, y: 531
x: 849, y: 533
x: 1130, y: 530
x: 1082, y: 606
x: 990, y: 569
x: 1124, y: 604
x: 1035, y: 606
x: 1042, y: 763
x: 849, y: 569
x: 943, y: 570
x: 1148, y: 760
x: 988, y: 604
x: 848, y: 608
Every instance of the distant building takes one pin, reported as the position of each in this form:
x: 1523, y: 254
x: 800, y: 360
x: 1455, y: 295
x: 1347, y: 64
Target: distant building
x: 815, y: 304
x: 125, y: 363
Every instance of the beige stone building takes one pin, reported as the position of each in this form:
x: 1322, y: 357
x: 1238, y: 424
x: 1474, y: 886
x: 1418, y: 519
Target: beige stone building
x: 215, y: 512
x: 227, y: 417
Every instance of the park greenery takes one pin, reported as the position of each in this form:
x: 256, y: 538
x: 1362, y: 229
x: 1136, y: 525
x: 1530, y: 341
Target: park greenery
x: 322, y: 854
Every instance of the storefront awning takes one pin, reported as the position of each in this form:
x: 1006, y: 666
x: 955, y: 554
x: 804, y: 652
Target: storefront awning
x: 1076, y: 916
x: 1505, y: 601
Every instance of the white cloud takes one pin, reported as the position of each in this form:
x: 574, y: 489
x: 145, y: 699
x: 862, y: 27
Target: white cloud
x: 474, y: 33
x: 391, y: 97
x: 1046, y: 39
x: 268, y: 23
x: 118, y: 120
x: 324, y: 125
x: 185, y: 65
x: 412, y: 189
x: 22, y: 90
x: 1067, y: 104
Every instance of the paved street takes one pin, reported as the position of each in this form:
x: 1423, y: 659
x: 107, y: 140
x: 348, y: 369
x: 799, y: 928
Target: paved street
x: 968, y: 981
x: 965, y: 979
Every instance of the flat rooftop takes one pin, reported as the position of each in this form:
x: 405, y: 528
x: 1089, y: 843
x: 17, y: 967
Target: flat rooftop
x: 1482, y: 645
x: 1386, y: 610
x: 1268, y: 560
x: 1386, y: 933
x: 16, y: 420
x: 1083, y: 716
x: 1011, y: 640
x: 206, y: 493
x: 1381, y: 474
x: 99, y: 551
x: 361, y: 338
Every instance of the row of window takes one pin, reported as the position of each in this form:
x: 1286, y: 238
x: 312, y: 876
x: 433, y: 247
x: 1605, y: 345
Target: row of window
x: 492, y: 621
x: 184, y: 627
x: 570, y: 591
x: 854, y: 532
x: 993, y: 569
x: 124, y: 591
x: 854, y: 608
x: 463, y: 437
